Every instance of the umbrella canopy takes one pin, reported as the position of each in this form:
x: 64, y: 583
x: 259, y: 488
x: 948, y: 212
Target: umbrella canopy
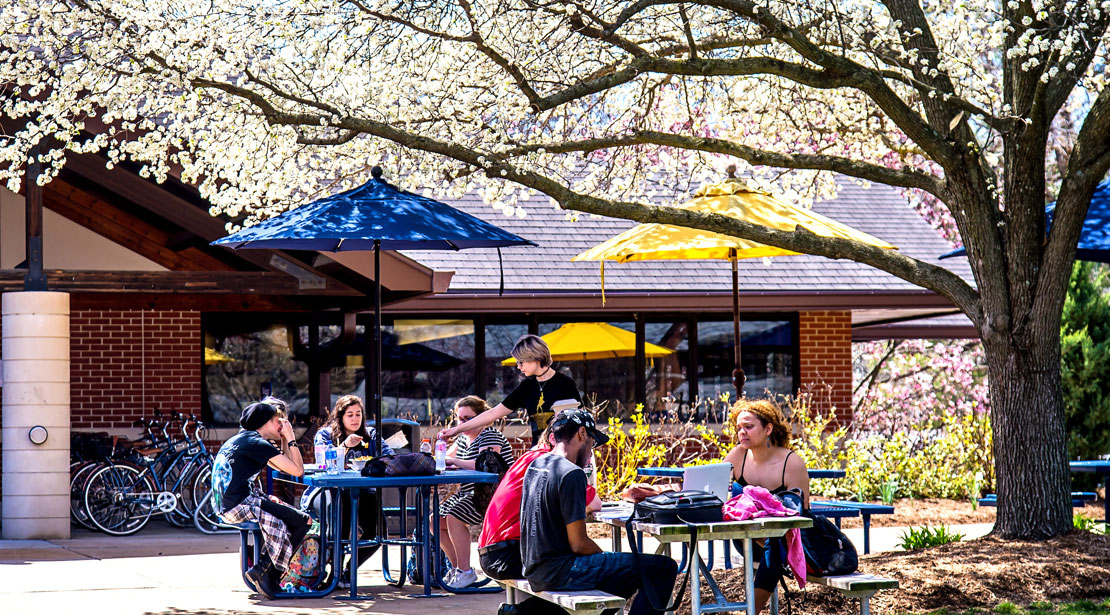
x: 213, y: 357
x: 375, y: 216
x: 375, y: 213
x: 1094, y: 239
x: 584, y: 341
x: 731, y: 198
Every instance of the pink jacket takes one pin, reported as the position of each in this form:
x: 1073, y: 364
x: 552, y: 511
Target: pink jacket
x: 756, y: 502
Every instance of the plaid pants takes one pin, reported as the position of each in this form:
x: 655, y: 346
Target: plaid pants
x: 274, y: 531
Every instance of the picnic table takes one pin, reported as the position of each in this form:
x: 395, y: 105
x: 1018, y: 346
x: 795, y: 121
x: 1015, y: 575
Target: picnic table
x: 426, y: 541
x: 1102, y: 468
x: 676, y: 472
x: 746, y: 531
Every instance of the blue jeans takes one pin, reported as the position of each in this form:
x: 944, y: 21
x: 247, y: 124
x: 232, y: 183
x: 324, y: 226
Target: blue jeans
x: 618, y: 574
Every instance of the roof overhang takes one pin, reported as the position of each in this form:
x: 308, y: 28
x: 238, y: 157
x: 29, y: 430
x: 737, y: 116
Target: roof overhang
x: 540, y: 301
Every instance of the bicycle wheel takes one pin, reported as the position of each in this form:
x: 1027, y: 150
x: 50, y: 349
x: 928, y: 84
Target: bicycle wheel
x: 205, y: 518
x: 78, y: 478
x: 183, y: 490
x: 119, y: 499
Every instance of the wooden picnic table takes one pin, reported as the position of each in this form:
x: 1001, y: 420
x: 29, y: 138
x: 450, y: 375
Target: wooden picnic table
x: 746, y: 531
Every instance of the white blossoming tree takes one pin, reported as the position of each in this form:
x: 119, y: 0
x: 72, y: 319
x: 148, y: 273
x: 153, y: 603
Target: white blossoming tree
x: 264, y: 105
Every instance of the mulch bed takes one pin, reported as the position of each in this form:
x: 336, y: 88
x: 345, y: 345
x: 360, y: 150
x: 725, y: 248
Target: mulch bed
x: 958, y: 576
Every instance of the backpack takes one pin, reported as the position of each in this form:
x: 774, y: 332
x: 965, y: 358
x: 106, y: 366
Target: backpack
x: 487, y: 461
x: 306, y: 565
x: 828, y: 551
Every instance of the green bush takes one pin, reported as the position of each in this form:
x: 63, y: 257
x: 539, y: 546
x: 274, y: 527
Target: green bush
x: 926, y: 536
x: 1087, y: 524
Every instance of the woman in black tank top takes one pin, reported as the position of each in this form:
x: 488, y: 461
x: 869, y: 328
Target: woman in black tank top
x: 762, y: 457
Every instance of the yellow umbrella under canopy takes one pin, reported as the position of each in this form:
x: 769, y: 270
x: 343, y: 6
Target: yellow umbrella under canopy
x: 731, y: 198
x: 212, y: 357
x: 586, y: 341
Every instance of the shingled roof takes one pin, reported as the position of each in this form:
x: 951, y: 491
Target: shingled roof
x: 879, y: 210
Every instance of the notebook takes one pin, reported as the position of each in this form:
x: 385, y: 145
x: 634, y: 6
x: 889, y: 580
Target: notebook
x: 714, y: 478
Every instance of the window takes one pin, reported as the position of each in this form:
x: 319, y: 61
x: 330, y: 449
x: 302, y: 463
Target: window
x: 768, y: 352
x: 252, y: 361
x: 666, y: 376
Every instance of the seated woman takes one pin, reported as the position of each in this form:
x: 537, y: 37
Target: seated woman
x: 346, y: 429
x: 459, y: 511
x: 762, y: 457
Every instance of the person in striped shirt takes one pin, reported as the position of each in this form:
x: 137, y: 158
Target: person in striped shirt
x: 459, y: 511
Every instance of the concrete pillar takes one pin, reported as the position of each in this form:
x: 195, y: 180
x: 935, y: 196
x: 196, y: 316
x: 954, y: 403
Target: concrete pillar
x: 35, y: 357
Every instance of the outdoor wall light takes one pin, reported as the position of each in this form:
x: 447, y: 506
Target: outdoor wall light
x: 38, y: 434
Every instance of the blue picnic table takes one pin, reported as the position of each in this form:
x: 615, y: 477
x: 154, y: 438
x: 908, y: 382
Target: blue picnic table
x: 1100, y: 467
x: 835, y: 510
x: 425, y: 539
x: 676, y: 472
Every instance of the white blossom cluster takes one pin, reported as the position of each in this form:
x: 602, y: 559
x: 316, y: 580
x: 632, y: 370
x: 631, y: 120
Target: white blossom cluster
x: 268, y: 105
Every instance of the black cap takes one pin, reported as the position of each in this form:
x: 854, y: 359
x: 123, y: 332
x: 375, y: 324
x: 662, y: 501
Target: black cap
x: 581, y: 418
x: 256, y: 415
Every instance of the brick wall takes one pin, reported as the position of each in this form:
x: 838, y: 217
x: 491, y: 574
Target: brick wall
x: 825, y: 344
x: 126, y: 363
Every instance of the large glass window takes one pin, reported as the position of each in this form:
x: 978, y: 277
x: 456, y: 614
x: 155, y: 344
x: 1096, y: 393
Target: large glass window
x: 426, y: 366
x: 244, y: 363
x: 667, y: 385
x: 501, y: 379
x: 606, y: 383
x: 767, y: 357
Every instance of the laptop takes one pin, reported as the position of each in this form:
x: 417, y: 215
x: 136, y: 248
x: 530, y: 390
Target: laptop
x: 714, y: 478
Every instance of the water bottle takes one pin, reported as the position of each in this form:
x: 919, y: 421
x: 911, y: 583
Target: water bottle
x: 331, y: 460
x: 426, y: 446
x: 441, y: 455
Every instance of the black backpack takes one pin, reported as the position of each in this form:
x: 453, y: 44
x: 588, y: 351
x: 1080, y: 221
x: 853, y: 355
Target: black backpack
x: 487, y: 461
x: 671, y: 507
x: 828, y: 551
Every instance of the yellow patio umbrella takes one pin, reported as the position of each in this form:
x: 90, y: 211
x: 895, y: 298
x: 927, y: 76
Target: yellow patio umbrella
x: 212, y: 357
x: 586, y: 341
x: 735, y: 199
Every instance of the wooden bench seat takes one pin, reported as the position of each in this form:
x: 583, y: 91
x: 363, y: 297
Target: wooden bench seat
x: 589, y: 602
x: 857, y: 585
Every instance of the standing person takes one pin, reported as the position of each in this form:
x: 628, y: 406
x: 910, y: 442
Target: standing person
x: 763, y: 457
x: 346, y: 429
x: 542, y: 387
x: 459, y: 512
x: 239, y: 499
x: 557, y: 553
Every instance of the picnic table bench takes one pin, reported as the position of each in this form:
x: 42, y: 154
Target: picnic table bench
x: 857, y: 585
x: 586, y: 602
x: 1079, y: 499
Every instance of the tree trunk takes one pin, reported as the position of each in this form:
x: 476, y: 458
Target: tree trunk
x: 1030, y: 452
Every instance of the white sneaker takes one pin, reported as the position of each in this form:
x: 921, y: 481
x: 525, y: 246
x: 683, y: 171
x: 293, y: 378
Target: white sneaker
x: 449, y: 577
x: 464, y: 578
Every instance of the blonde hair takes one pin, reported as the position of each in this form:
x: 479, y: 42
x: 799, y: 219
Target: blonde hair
x: 768, y: 413
x: 475, y: 403
x: 281, y: 409
x: 532, y: 348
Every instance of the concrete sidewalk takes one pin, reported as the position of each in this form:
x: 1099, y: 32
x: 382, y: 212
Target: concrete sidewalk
x: 182, y: 572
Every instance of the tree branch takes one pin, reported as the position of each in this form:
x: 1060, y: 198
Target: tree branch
x: 904, y: 178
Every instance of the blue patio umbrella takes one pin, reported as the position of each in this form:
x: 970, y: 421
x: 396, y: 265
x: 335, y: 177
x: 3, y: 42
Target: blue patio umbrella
x: 375, y: 216
x: 1094, y: 239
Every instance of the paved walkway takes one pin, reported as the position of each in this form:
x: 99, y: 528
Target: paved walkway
x: 179, y: 572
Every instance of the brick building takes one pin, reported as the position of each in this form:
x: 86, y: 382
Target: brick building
x: 147, y: 295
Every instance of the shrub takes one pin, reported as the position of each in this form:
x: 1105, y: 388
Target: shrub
x: 926, y: 536
x: 1087, y: 524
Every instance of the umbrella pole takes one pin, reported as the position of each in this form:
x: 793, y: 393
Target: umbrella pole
x: 378, y: 344
x: 738, y: 377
